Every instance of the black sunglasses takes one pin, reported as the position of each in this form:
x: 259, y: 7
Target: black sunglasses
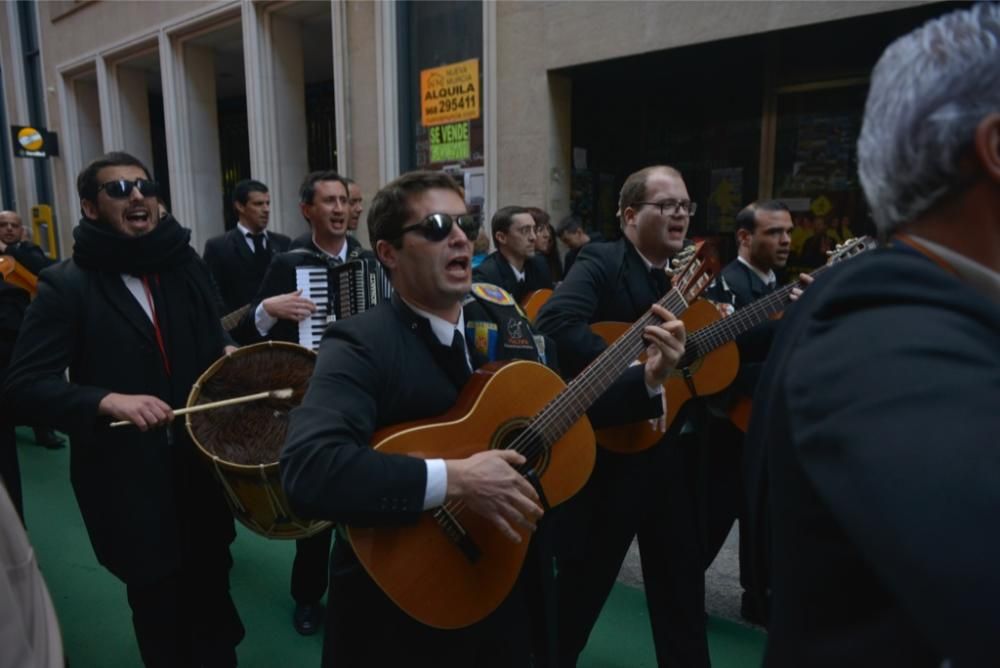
x: 122, y: 188
x: 437, y: 226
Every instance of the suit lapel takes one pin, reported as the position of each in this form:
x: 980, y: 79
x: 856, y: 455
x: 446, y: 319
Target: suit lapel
x: 240, y: 245
x: 637, y: 282
x: 122, y: 300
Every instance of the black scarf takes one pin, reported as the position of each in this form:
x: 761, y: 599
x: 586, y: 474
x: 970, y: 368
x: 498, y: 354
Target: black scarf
x: 101, y: 248
x: 178, y: 284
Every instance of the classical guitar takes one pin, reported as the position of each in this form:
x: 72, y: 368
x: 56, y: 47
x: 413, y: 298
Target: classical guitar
x: 710, y: 361
x: 532, y: 302
x: 453, y: 567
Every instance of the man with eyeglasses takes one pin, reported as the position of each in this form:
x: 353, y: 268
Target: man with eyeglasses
x: 278, y: 308
x: 408, y: 360
x: 514, y: 266
x: 645, y: 495
x: 239, y: 258
x: 133, y: 316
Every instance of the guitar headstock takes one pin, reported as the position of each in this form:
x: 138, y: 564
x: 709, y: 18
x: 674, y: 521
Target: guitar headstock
x: 850, y: 248
x: 693, y: 269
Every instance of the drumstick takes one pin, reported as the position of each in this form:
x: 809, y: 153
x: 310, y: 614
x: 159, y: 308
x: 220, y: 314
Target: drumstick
x: 284, y: 393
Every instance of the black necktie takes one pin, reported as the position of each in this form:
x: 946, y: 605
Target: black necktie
x: 260, y: 254
x: 660, y: 281
x: 456, y: 362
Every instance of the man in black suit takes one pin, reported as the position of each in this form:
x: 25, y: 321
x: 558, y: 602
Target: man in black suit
x: 763, y: 235
x: 881, y: 469
x: 13, y: 303
x: 133, y: 316
x: 642, y: 495
x: 407, y: 360
x: 355, y: 205
x: 570, y: 231
x: 279, y: 307
x: 514, y: 266
x: 239, y: 258
x: 13, y: 242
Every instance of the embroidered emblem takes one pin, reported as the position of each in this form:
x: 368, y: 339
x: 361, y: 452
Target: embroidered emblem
x: 484, y: 337
x: 516, y: 335
x: 492, y: 293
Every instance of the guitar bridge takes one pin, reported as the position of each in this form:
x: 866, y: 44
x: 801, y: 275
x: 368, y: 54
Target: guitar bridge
x: 458, y: 535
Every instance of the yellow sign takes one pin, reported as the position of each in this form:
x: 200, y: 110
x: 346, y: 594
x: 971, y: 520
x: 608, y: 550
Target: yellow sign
x: 30, y: 139
x: 821, y: 206
x: 449, y: 93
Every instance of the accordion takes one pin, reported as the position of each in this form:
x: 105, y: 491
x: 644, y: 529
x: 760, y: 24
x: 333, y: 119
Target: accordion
x: 339, y: 292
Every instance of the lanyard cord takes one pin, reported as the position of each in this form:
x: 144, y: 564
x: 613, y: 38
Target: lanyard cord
x: 156, y: 322
x: 926, y: 252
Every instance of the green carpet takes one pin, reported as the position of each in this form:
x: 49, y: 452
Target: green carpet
x: 97, y: 630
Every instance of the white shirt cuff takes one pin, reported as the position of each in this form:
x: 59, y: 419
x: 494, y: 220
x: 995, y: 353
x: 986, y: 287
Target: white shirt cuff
x: 653, y: 391
x: 437, y: 483
x: 263, y: 320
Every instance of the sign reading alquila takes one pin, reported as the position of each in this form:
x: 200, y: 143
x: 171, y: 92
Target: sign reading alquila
x: 449, y: 93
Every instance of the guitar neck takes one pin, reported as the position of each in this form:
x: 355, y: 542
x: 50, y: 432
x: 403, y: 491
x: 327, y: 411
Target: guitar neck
x: 725, y: 330
x: 230, y: 320
x: 570, y: 405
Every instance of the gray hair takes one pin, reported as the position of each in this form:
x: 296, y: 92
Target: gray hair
x: 929, y: 91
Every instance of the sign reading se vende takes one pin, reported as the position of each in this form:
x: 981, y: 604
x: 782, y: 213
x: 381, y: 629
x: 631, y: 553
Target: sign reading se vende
x: 449, y: 93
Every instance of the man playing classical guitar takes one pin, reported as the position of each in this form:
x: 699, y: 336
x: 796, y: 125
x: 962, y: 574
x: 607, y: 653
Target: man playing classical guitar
x: 407, y: 360
x: 877, y: 409
x: 763, y: 234
x: 642, y: 494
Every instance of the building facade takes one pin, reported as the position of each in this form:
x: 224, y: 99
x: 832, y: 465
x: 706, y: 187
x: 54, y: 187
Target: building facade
x: 545, y: 104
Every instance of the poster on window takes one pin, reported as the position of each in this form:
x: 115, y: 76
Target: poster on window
x: 450, y: 93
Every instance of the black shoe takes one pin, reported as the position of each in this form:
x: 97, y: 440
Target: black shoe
x: 48, y: 438
x: 307, y: 618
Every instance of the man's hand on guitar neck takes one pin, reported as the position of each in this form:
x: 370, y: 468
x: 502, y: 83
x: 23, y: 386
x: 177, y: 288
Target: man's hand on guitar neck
x: 666, y: 345
x: 805, y: 280
x: 489, y: 485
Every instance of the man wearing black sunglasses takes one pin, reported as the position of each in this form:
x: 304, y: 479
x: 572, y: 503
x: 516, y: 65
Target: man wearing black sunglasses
x: 408, y: 360
x: 133, y: 316
x: 514, y: 266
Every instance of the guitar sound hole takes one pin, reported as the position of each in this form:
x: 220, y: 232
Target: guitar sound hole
x: 515, y: 435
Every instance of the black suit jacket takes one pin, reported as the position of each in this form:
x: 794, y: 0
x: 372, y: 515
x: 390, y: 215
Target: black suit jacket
x: 279, y: 280
x: 231, y: 261
x: 143, y: 495
x: 739, y: 286
x: 609, y: 282
x: 32, y: 257
x: 496, y: 270
x: 874, y: 437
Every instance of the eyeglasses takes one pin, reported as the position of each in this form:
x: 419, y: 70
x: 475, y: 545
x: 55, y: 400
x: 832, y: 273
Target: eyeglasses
x: 122, y: 188
x: 676, y: 207
x: 437, y: 226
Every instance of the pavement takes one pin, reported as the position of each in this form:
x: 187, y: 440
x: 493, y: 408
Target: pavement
x: 722, y: 579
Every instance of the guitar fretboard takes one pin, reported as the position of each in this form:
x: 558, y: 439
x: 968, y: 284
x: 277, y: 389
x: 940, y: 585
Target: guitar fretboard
x: 569, y: 405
